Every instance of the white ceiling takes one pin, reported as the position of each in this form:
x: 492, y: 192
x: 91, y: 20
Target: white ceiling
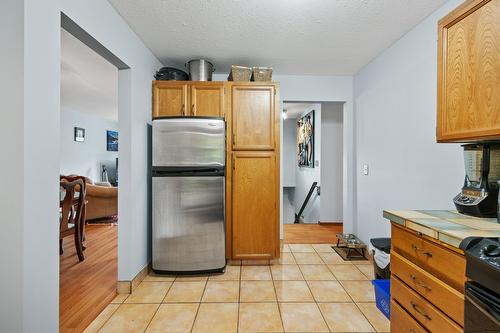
x: 89, y: 83
x: 315, y: 37
x: 294, y: 110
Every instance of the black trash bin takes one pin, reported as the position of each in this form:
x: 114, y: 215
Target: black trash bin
x: 382, y: 244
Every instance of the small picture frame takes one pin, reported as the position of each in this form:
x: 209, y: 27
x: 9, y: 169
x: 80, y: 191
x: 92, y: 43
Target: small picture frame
x: 79, y: 134
x: 111, y: 141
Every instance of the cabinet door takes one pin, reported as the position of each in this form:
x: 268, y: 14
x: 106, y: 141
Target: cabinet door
x: 207, y: 100
x: 469, y: 73
x: 169, y: 99
x: 255, y: 224
x: 253, y: 117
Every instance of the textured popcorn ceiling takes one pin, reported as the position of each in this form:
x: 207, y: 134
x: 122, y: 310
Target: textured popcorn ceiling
x: 317, y: 37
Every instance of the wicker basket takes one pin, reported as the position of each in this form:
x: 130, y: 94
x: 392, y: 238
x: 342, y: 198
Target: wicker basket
x: 262, y: 74
x: 240, y: 73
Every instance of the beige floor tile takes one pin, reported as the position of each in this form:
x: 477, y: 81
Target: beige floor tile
x: 308, y: 258
x: 222, y: 291
x: 149, y: 292
x: 120, y: 298
x: 255, y: 273
x: 360, y: 291
x: 256, y: 262
x: 101, y: 319
x: 367, y: 270
x: 287, y: 259
x: 344, y: 317
x: 257, y: 291
x: 333, y: 258
x: 185, y: 292
x: 173, y: 318
x: 316, y: 272
x: 216, y: 318
x: 375, y: 317
x: 302, y: 317
x: 347, y: 272
x: 188, y: 278
x: 323, y: 248
x: 286, y: 272
x: 301, y: 248
x: 231, y: 273
x: 285, y: 248
x: 328, y: 291
x: 293, y: 291
x: 152, y: 277
x: 259, y: 317
x: 130, y: 318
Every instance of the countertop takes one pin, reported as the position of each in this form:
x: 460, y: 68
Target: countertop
x: 448, y: 226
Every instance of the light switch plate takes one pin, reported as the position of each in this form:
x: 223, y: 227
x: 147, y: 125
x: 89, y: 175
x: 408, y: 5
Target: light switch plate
x: 365, y: 169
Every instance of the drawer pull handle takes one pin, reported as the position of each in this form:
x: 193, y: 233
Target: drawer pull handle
x: 417, y: 249
x: 420, y: 311
x: 419, y: 283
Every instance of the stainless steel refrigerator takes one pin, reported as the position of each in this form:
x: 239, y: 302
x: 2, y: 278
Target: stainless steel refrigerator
x: 188, y: 195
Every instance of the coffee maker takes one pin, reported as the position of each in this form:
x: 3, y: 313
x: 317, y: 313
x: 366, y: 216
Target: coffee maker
x: 479, y: 195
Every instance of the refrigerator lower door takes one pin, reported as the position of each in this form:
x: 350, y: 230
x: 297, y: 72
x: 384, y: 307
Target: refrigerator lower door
x: 188, y: 224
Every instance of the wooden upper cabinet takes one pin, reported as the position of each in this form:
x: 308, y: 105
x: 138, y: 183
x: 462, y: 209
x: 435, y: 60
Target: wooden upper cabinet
x: 469, y: 73
x: 169, y: 99
x: 253, y: 117
x: 255, y: 225
x: 207, y: 100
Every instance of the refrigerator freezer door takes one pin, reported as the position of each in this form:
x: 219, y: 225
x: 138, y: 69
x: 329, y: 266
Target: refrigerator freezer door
x: 188, y: 142
x: 188, y: 224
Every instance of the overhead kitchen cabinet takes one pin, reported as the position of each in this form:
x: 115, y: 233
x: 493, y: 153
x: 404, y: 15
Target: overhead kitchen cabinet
x: 253, y: 110
x: 469, y: 73
x: 188, y: 98
x: 207, y: 99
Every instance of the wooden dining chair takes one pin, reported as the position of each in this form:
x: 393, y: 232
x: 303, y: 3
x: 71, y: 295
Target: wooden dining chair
x: 72, y: 218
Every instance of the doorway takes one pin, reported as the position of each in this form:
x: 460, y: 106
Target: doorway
x: 312, y: 167
x: 89, y: 127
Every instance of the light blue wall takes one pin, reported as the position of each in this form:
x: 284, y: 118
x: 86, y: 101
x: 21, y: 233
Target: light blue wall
x: 395, y: 107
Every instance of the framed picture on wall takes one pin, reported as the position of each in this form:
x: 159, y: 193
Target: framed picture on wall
x: 305, y: 140
x: 79, y: 134
x: 111, y: 141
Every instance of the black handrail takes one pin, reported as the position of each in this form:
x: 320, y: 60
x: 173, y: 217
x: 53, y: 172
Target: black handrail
x: 311, y: 190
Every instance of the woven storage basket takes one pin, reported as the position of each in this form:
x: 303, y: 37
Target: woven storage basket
x: 240, y: 73
x: 262, y: 74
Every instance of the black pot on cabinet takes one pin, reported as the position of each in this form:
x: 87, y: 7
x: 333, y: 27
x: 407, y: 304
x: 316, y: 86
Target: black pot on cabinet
x: 171, y: 74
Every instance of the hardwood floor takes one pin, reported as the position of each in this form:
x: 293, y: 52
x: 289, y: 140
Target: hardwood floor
x: 311, y: 233
x: 87, y: 287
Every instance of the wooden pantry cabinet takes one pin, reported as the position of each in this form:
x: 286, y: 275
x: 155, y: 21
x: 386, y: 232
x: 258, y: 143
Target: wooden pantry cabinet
x: 469, y: 73
x: 250, y: 110
x: 253, y: 183
x: 188, y: 98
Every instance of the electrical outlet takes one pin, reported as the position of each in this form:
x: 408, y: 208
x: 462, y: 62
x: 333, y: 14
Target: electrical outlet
x: 365, y: 169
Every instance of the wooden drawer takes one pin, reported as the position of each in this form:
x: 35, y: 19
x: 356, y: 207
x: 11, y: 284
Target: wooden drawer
x: 437, y: 292
x: 424, y: 312
x: 402, y: 322
x: 447, y: 265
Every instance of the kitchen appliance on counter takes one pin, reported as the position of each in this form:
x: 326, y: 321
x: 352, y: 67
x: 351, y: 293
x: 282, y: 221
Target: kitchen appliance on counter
x: 188, y: 195
x: 200, y: 70
x: 479, y: 195
x: 482, y: 290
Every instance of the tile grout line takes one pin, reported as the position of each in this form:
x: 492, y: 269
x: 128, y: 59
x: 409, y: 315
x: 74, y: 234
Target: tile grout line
x: 106, y: 321
x: 277, y: 301
x: 199, y: 306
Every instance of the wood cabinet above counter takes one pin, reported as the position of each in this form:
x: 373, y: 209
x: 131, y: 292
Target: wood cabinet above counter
x: 469, y: 73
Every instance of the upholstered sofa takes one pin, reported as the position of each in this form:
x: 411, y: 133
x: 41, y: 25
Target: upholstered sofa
x: 102, y: 201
